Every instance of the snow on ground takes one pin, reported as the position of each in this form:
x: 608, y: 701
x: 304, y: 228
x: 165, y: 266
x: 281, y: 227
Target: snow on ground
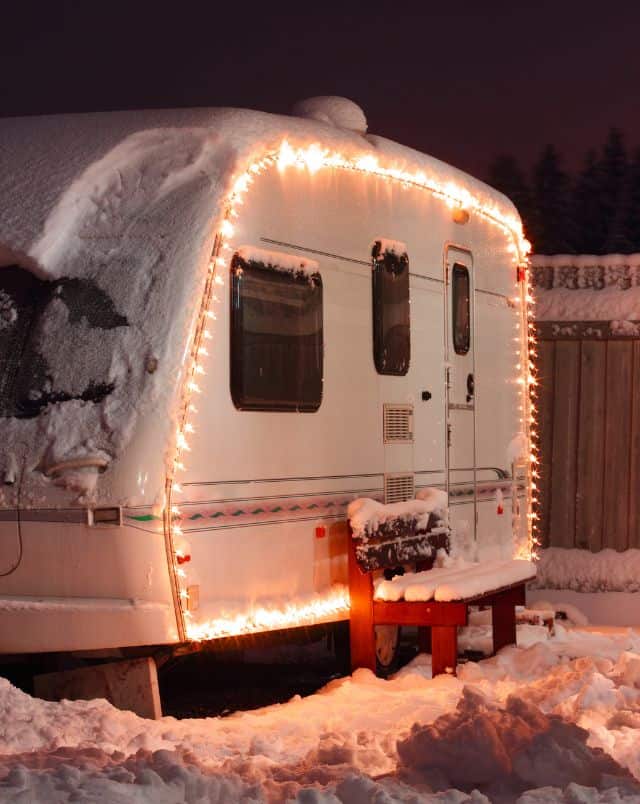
x: 558, y: 720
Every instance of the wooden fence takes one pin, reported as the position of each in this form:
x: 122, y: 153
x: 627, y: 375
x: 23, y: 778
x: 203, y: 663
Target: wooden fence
x: 589, y: 425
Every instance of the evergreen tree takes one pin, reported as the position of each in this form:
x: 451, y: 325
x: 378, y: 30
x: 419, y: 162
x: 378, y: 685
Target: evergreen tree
x: 632, y: 223
x: 505, y: 175
x: 614, y: 193
x: 551, y: 221
x: 589, y: 214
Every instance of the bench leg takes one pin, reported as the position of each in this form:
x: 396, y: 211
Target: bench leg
x: 363, y: 643
x: 424, y: 639
x: 503, y: 620
x: 361, y: 634
x: 444, y: 649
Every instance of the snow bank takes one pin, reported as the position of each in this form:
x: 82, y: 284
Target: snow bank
x: 587, y: 288
x: 584, y: 571
x: 529, y: 725
x: 484, y: 745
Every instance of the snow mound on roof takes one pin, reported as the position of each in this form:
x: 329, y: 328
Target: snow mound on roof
x: 336, y: 111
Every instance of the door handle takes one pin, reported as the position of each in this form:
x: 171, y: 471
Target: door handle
x: 471, y: 387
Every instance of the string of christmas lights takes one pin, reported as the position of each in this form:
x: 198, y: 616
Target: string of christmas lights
x: 312, y: 158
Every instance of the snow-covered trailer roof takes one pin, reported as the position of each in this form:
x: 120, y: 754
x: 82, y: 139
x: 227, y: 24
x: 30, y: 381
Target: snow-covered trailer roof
x: 114, y: 216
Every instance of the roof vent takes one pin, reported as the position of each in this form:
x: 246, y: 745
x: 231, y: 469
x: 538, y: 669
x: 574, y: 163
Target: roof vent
x: 338, y: 112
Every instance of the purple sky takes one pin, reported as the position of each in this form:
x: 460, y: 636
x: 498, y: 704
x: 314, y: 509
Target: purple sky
x: 464, y: 83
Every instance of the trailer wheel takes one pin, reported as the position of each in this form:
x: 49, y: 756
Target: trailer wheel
x: 387, y: 644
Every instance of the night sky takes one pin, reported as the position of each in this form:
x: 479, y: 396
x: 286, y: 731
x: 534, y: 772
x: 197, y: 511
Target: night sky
x: 463, y: 82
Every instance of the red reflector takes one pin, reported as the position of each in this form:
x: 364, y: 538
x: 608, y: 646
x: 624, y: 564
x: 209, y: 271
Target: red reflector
x: 183, y: 559
x: 320, y: 532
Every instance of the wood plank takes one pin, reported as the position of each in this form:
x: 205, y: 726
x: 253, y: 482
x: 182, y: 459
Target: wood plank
x: 634, y: 466
x: 444, y: 647
x: 591, y: 436
x: 503, y: 624
x: 545, y: 367
x: 565, y: 424
x: 433, y: 613
x: 617, y: 445
x: 361, y: 635
x: 424, y: 640
x: 131, y: 684
x: 513, y: 595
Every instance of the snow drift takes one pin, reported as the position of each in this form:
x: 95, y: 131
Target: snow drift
x: 484, y: 745
x: 557, y: 721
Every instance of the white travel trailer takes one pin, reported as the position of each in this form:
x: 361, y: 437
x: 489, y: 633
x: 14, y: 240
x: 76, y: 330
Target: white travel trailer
x: 218, y: 328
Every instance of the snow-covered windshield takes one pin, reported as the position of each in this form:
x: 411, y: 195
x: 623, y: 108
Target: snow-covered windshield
x: 54, y: 341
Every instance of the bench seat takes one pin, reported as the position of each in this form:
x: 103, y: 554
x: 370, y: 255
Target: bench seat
x: 456, y: 583
x: 436, y: 601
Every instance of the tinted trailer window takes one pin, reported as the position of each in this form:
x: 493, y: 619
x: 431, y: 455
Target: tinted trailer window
x: 276, y: 337
x: 391, y: 332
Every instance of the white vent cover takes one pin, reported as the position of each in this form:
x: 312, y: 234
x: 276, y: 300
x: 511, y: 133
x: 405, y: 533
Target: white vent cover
x: 398, y: 487
x: 397, y: 424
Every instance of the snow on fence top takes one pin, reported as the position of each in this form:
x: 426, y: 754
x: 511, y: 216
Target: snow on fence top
x: 586, y: 288
x: 123, y: 207
x: 584, y: 571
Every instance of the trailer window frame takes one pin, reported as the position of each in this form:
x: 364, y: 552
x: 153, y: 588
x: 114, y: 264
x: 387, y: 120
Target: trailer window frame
x: 391, y: 311
x: 272, y: 370
x: 461, y: 308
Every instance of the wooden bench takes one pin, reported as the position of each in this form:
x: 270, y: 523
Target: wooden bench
x: 437, y: 621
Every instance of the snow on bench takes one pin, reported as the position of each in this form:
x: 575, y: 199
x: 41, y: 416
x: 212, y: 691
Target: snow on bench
x: 399, y: 533
x: 367, y: 516
x: 463, y: 581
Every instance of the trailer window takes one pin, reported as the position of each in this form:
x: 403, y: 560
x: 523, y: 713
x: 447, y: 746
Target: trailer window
x: 391, y: 334
x: 461, y: 309
x: 276, y: 337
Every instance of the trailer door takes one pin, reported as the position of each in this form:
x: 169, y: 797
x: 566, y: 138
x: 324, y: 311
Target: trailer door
x: 460, y: 394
